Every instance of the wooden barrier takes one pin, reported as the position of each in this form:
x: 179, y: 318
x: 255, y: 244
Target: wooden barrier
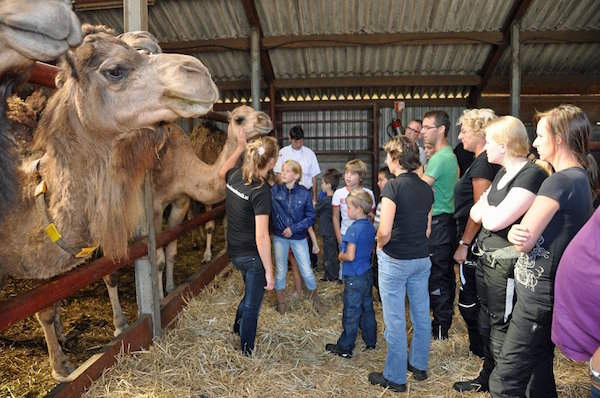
x: 66, y: 284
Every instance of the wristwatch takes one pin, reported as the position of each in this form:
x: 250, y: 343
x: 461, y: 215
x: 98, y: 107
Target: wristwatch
x: 463, y: 243
x: 595, y: 373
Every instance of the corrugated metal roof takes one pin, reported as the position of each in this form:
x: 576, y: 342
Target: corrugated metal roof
x: 366, y: 61
x: 548, y: 59
x: 562, y: 15
x: 308, y: 17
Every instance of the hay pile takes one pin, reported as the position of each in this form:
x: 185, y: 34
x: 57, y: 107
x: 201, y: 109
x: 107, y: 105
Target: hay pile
x: 201, y: 357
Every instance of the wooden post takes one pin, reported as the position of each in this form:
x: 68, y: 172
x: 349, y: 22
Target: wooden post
x: 515, y: 80
x: 375, y: 171
x: 135, y: 17
x: 255, y: 67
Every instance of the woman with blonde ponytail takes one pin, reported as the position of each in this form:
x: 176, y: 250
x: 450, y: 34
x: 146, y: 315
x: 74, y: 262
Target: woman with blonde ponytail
x: 562, y: 206
x: 248, y: 206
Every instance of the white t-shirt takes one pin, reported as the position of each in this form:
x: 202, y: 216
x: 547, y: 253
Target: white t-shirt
x: 307, y: 159
x: 339, y: 200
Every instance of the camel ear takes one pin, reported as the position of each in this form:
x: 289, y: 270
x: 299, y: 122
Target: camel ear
x: 69, y: 63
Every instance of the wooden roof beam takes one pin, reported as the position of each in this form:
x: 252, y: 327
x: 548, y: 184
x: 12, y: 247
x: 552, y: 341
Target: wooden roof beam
x: 518, y: 10
x: 254, y: 21
x: 548, y: 84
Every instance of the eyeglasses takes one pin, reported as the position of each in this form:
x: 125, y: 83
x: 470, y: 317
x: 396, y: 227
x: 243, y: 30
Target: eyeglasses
x: 428, y: 127
x: 413, y: 130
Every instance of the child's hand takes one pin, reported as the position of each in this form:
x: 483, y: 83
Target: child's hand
x: 315, y: 249
x: 287, y: 233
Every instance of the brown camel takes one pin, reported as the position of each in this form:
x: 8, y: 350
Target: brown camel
x: 98, y: 134
x: 29, y: 30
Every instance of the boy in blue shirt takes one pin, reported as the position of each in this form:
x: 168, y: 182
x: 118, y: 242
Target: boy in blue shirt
x: 355, y: 253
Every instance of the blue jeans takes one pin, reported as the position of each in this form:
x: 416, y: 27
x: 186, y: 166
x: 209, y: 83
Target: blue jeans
x: 246, y: 317
x: 397, y: 278
x: 595, y: 392
x: 358, y: 311
x: 300, y: 250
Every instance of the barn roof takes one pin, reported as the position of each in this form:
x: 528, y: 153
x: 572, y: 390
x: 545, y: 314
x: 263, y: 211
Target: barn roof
x: 383, y: 49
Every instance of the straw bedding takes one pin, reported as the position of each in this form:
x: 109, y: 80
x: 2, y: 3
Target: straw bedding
x: 201, y: 358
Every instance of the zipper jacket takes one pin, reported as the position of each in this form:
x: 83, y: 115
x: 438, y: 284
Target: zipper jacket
x: 292, y: 208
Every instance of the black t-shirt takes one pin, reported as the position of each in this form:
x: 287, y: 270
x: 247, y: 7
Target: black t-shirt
x: 571, y: 189
x: 413, y: 199
x: 243, y: 203
x: 463, y: 157
x: 463, y: 190
x: 530, y: 177
x: 325, y: 213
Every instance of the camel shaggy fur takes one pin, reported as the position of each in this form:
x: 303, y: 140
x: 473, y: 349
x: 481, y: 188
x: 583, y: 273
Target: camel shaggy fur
x: 29, y: 30
x: 99, y: 134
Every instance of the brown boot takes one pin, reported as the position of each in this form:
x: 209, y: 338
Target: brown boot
x: 281, y: 307
x: 319, y: 307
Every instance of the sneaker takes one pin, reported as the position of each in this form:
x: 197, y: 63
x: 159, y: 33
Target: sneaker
x: 334, y: 349
x: 475, y: 385
x: 418, y: 374
x: 376, y: 378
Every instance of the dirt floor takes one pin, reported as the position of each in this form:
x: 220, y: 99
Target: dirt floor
x: 87, y: 320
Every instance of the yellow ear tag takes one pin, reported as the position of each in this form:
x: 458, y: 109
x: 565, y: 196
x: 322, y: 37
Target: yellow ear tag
x: 86, y: 252
x: 52, y: 232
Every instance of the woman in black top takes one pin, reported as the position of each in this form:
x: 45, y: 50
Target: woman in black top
x: 510, y: 195
x: 562, y: 206
x: 472, y: 183
x: 248, y: 206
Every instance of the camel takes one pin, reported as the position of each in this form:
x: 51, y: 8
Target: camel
x: 181, y: 176
x: 99, y: 133
x: 29, y: 30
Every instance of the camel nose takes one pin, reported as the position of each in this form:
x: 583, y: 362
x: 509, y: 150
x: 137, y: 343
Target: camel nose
x: 186, y: 77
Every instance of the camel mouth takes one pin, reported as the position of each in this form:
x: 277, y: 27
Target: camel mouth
x: 187, y: 107
x: 42, y: 32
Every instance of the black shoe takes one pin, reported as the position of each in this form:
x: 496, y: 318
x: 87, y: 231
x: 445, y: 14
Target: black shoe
x: 418, y: 374
x: 438, y: 332
x: 475, y: 385
x: 369, y: 347
x: 326, y: 278
x: 377, y: 378
x: 334, y: 349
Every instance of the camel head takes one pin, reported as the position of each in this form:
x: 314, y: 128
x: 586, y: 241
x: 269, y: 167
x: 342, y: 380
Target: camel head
x: 116, y: 89
x: 35, y: 30
x: 256, y: 123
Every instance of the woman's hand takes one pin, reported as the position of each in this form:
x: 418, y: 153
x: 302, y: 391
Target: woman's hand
x: 287, y: 233
x: 270, y: 280
x: 315, y: 248
x: 518, y: 234
x: 460, y: 255
x: 242, y: 137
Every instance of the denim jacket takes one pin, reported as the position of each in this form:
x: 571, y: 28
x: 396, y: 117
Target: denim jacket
x: 292, y: 208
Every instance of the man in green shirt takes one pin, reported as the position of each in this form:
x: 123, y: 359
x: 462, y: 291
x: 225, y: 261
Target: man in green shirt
x: 441, y: 174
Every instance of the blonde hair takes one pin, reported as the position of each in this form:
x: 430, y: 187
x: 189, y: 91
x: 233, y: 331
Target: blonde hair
x: 256, y: 157
x: 295, y: 166
x: 356, y: 166
x: 477, y: 120
x: 361, y: 199
x: 405, y: 151
x: 511, y: 132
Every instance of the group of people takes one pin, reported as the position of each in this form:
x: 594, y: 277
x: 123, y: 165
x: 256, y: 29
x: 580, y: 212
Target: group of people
x: 529, y: 265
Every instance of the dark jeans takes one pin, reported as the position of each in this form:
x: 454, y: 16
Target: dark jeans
x: 358, y: 312
x: 330, y: 261
x: 442, y: 280
x: 246, y: 317
x: 314, y: 259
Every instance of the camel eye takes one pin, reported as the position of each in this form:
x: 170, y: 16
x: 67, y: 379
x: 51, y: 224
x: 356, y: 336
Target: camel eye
x: 115, y: 74
x: 239, y: 119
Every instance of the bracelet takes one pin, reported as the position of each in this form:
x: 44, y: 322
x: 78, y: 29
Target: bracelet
x: 463, y: 243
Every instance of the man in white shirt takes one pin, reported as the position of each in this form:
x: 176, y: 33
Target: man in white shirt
x: 303, y: 155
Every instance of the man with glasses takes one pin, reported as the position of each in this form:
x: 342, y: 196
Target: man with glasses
x: 441, y: 174
x: 412, y: 132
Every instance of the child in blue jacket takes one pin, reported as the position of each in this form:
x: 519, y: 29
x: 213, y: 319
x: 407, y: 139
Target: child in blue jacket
x: 292, y: 215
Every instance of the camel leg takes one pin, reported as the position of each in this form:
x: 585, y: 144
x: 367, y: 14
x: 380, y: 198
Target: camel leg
x: 210, y: 229
x: 179, y: 210
x: 160, y: 261
x: 59, y: 363
x: 112, y: 284
x: 224, y: 249
x: 58, y: 327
